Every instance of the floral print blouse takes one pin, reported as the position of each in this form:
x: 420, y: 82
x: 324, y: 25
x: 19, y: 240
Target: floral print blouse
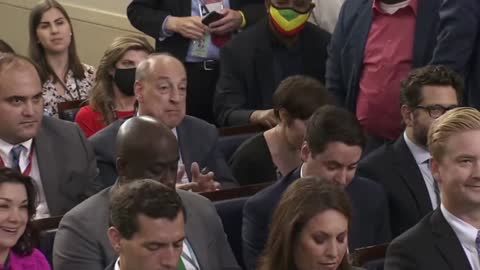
x: 76, y: 90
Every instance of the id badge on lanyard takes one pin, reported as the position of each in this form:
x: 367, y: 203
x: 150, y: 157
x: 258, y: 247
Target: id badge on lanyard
x: 200, y: 47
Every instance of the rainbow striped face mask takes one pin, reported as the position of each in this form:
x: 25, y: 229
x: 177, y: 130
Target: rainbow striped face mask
x: 288, y: 21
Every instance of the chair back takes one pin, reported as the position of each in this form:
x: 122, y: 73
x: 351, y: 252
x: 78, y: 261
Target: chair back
x: 370, y: 258
x: 68, y: 110
x: 43, y: 235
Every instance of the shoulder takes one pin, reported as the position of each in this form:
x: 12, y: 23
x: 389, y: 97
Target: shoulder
x: 35, y: 261
x: 252, y: 148
x: 88, y: 212
x: 197, y: 204
x: 108, y: 133
x: 193, y: 125
x: 86, y: 112
x: 89, y: 70
x: 243, y: 40
x: 266, y: 200
x: 315, y: 31
x: 380, y: 155
x: 418, y: 234
x: 55, y: 126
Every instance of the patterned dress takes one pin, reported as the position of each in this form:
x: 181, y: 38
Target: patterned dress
x: 76, y: 90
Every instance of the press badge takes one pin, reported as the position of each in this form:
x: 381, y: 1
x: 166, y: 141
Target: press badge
x: 200, y: 47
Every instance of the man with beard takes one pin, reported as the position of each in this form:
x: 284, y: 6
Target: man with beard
x: 403, y: 167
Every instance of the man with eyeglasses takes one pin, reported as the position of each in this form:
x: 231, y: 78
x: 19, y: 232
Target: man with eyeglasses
x: 403, y: 167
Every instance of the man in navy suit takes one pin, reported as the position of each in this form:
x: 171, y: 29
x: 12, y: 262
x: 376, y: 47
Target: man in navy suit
x: 330, y: 151
x: 160, y: 90
x: 374, y: 46
x: 458, y: 44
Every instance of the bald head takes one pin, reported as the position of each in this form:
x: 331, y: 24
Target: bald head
x: 146, y: 149
x: 161, y: 89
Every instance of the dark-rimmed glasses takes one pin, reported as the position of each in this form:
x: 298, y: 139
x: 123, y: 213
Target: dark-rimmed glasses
x: 436, y: 110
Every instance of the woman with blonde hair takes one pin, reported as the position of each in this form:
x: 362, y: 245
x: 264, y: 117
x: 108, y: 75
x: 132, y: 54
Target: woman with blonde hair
x: 309, y: 229
x: 112, y: 96
x: 52, y: 47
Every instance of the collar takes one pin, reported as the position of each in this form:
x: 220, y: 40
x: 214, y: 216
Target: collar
x: 301, y: 170
x: 5, y: 147
x: 413, y: 4
x: 465, y: 232
x: 117, y: 264
x: 420, y: 154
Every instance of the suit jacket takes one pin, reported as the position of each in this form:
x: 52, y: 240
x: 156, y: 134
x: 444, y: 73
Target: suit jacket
x: 148, y: 16
x: 431, y: 244
x: 66, y: 163
x: 370, y: 224
x: 198, y: 142
x: 394, y: 166
x: 459, y: 44
x: 82, y: 243
x: 349, y: 39
x: 247, y: 80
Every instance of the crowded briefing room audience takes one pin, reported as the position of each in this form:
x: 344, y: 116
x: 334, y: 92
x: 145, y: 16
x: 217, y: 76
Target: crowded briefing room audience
x: 17, y: 210
x: 160, y: 90
x: 276, y: 152
x: 374, y: 46
x: 147, y: 226
x: 254, y: 62
x: 112, y: 95
x: 81, y: 241
x: 178, y: 28
x: 309, y: 228
x: 330, y: 151
x: 458, y: 44
x: 52, y: 47
x: 344, y: 119
x: 402, y: 167
x: 448, y: 237
x: 53, y: 152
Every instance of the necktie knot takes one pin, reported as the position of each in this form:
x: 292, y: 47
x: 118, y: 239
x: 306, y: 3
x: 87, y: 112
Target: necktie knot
x: 15, y: 156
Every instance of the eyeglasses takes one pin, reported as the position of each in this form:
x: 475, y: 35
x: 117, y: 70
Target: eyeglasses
x: 436, y: 111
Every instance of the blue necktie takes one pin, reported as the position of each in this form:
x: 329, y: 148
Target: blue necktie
x: 15, y: 157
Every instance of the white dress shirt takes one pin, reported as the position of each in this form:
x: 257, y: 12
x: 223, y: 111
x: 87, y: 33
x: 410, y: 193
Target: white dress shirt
x: 422, y: 157
x: 5, y: 148
x: 466, y: 233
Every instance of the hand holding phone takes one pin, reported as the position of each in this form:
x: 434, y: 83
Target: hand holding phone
x: 212, y: 17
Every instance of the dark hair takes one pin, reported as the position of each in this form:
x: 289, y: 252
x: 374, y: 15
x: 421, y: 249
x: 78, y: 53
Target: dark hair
x: 304, y: 199
x: 37, y: 52
x: 300, y: 96
x: 5, y: 48
x: 23, y: 247
x: 102, y: 96
x: 142, y: 196
x: 333, y: 124
x: 411, y: 89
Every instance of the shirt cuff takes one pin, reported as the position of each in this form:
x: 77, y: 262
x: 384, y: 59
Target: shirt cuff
x: 164, y: 33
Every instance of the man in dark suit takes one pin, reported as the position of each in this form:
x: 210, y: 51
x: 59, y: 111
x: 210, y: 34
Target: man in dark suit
x: 147, y: 226
x: 448, y: 238
x: 176, y: 26
x: 402, y: 167
x: 257, y: 60
x: 458, y: 44
x: 81, y: 241
x: 160, y: 89
x: 53, y: 152
x: 374, y: 46
x: 330, y: 151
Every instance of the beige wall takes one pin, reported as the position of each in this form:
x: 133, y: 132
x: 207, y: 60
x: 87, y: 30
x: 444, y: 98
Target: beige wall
x: 95, y: 22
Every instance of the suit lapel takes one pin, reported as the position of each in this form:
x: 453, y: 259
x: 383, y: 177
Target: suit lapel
x: 447, y: 242
x: 183, y: 145
x: 425, y: 24
x: 46, y: 165
x: 407, y: 168
x: 194, y: 237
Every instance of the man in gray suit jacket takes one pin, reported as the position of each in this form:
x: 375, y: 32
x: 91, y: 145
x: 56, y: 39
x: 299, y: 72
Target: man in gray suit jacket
x: 54, y: 153
x: 81, y: 241
x: 160, y: 89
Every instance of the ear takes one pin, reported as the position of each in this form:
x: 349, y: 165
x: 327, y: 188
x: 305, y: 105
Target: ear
x: 435, y: 168
x: 138, y: 89
x: 284, y: 116
x: 407, y: 115
x: 305, y: 151
x: 115, y: 238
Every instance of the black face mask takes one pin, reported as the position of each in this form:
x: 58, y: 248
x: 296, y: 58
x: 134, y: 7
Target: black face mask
x: 125, y: 79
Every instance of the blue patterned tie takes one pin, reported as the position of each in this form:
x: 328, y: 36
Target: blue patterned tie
x: 477, y: 243
x: 15, y: 157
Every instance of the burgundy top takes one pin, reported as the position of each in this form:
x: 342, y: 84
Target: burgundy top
x: 387, y: 61
x: 35, y: 261
x: 91, y: 122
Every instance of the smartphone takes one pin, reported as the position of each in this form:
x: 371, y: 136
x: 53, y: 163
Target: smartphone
x: 212, y: 17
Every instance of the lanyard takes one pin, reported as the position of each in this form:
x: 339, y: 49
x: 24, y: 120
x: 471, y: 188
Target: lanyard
x: 7, y: 262
x: 28, y: 169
